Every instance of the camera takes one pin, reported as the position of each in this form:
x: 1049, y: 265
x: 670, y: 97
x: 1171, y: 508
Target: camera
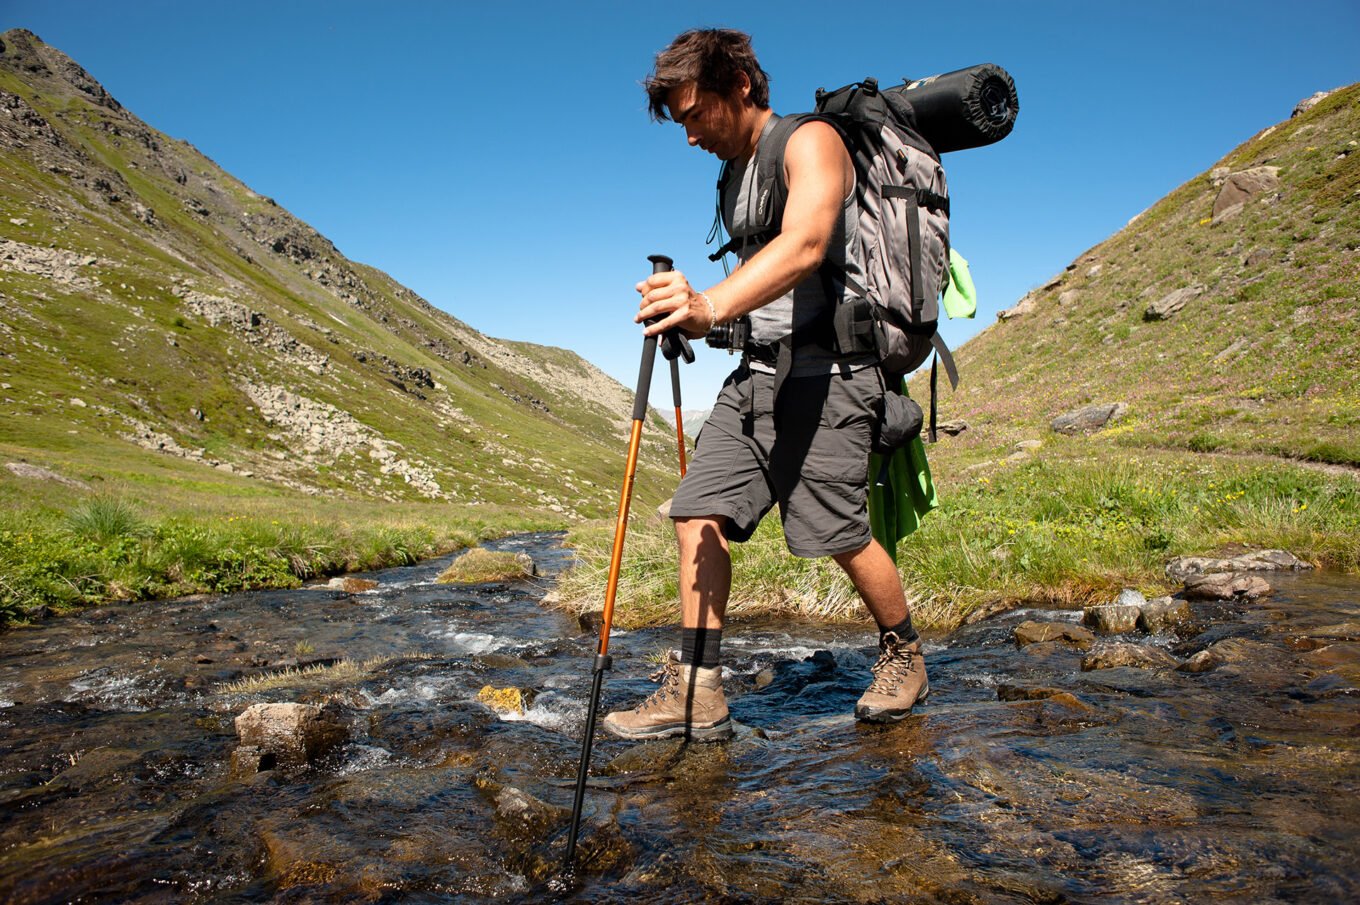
x: 731, y: 336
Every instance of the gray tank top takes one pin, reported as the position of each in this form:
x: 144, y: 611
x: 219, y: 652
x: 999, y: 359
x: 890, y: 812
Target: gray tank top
x: 806, y: 302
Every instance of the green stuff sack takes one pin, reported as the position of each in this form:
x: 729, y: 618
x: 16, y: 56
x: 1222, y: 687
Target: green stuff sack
x: 902, y: 495
x: 960, y: 296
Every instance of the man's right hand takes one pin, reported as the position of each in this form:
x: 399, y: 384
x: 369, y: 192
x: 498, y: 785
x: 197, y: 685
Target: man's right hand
x: 670, y: 296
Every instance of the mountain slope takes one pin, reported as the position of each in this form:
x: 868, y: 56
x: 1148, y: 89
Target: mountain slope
x: 162, y: 322
x: 1225, y: 317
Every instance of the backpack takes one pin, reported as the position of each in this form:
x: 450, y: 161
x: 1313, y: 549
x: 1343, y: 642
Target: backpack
x: 903, y: 203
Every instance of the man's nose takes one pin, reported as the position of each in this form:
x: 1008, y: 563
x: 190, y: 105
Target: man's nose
x: 691, y: 137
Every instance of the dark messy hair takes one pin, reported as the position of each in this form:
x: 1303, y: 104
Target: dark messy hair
x: 714, y: 59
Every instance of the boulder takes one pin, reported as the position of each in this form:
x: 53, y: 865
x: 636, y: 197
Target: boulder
x: 1226, y: 586
x: 1024, y: 306
x: 1138, y: 656
x: 1032, y: 632
x: 1184, y: 567
x: 1162, y: 614
x: 1089, y: 417
x: 289, y: 735
x: 1308, y: 103
x: 1111, y: 618
x: 1241, y: 187
x: 952, y: 428
x: 1172, y: 302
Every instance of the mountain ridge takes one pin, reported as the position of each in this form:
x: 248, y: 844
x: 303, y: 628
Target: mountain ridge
x: 236, y: 336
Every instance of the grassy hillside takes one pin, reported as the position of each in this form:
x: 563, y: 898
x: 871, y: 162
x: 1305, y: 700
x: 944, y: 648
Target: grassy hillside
x: 1240, y: 424
x: 172, y: 338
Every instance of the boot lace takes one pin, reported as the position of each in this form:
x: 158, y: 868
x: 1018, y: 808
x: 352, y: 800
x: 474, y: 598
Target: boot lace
x: 669, y: 677
x: 894, y: 662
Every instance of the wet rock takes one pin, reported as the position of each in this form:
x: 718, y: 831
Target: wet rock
x: 1201, y: 661
x: 764, y: 677
x: 247, y: 760
x: 1345, y: 631
x: 1136, y: 656
x: 1227, y: 587
x: 1089, y: 418
x: 1242, y: 650
x: 526, y: 815
x: 351, y: 585
x: 591, y: 621
x: 295, y: 734
x: 1032, y: 632
x: 1112, y: 618
x: 1024, y: 693
x: 1163, y: 613
x: 1185, y: 567
x: 507, y: 700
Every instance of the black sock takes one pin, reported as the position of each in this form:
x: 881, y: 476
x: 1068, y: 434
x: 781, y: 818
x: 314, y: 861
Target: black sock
x: 902, y: 630
x: 701, y: 647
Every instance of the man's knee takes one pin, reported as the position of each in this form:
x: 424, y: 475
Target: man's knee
x: 695, y: 532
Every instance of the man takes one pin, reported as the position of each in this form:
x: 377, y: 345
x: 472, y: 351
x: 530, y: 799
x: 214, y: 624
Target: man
x: 806, y: 450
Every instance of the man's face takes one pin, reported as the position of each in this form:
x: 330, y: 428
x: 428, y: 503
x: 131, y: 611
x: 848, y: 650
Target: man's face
x: 711, y: 121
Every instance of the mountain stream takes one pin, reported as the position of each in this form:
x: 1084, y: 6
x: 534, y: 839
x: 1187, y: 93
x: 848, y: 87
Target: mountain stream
x: 1022, y: 779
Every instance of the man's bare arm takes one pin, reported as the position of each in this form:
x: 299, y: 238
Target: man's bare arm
x: 820, y: 176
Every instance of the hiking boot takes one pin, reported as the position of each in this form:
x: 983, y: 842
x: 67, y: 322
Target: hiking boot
x: 689, y: 702
x: 899, y: 681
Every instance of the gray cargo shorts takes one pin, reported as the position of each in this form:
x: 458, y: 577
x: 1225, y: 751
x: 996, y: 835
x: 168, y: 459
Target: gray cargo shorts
x: 815, y: 467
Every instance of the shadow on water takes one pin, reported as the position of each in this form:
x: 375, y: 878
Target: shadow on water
x: 1024, y: 779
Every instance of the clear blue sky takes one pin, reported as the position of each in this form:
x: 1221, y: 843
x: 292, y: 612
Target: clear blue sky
x: 497, y: 158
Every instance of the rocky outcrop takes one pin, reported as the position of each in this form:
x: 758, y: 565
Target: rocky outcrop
x: 254, y: 327
x: 58, y: 265
x: 1089, y: 418
x: 1241, y: 187
x: 38, y: 473
x: 1026, y: 305
x: 1168, y: 305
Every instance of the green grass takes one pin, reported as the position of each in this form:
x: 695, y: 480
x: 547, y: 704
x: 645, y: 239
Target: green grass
x: 1068, y: 528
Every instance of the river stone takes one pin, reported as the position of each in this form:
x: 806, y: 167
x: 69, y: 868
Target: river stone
x: 1229, y: 586
x: 1111, y: 655
x: 1089, y: 417
x: 351, y: 585
x: 1200, y: 661
x: 1023, y: 693
x: 1111, y: 618
x: 295, y: 734
x: 1163, y: 613
x: 507, y: 700
x: 1031, y: 632
x: 1185, y: 567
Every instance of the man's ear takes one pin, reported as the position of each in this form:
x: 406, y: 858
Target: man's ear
x: 743, y: 86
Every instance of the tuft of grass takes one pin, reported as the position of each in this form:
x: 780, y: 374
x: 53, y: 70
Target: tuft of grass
x: 479, y: 565
x: 315, y: 676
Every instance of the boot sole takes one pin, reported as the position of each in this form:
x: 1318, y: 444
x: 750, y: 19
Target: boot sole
x: 719, y: 731
x: 869, y: 715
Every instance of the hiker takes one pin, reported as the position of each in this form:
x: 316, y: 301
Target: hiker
x: 791, y: 427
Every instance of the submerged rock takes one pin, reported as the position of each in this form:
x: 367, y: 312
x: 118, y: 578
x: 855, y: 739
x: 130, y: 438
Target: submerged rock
x: 287, y: 735
x: 1032, y: 632
x: 1138, y: 656
x: 1201, y: 661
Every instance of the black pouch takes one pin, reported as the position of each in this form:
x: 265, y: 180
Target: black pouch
x: 856, y: 328
x: 898, y: 424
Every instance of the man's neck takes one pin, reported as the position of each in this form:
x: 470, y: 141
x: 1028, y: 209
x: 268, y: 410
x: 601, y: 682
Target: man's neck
x: 757, y: 127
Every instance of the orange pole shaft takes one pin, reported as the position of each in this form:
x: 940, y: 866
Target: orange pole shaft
x: 680, y: 436
x: 620, y: 529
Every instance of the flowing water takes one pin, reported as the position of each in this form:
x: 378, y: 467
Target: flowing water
x: 1022, y: 779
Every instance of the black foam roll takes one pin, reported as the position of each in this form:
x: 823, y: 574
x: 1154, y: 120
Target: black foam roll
x: 967, y: 108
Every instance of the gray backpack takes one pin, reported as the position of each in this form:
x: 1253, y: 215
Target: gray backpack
x: 903, y: 229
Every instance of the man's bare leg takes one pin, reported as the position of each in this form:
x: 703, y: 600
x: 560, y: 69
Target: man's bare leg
x: 874, y: 575
x: 705, y: 571
x: 900, y: 671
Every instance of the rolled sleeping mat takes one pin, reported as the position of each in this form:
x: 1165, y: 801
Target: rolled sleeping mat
x: 967, y: 108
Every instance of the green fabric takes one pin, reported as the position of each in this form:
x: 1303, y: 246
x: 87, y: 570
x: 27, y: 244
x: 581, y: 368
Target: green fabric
x: 960, y: 296
x: 907, y: 493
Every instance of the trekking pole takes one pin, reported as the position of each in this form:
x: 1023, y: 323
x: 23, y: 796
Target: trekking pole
x: 660, y: 264
x: 679, y: 421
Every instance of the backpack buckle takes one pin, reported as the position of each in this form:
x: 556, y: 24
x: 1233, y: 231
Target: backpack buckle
x: 870, y: 86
